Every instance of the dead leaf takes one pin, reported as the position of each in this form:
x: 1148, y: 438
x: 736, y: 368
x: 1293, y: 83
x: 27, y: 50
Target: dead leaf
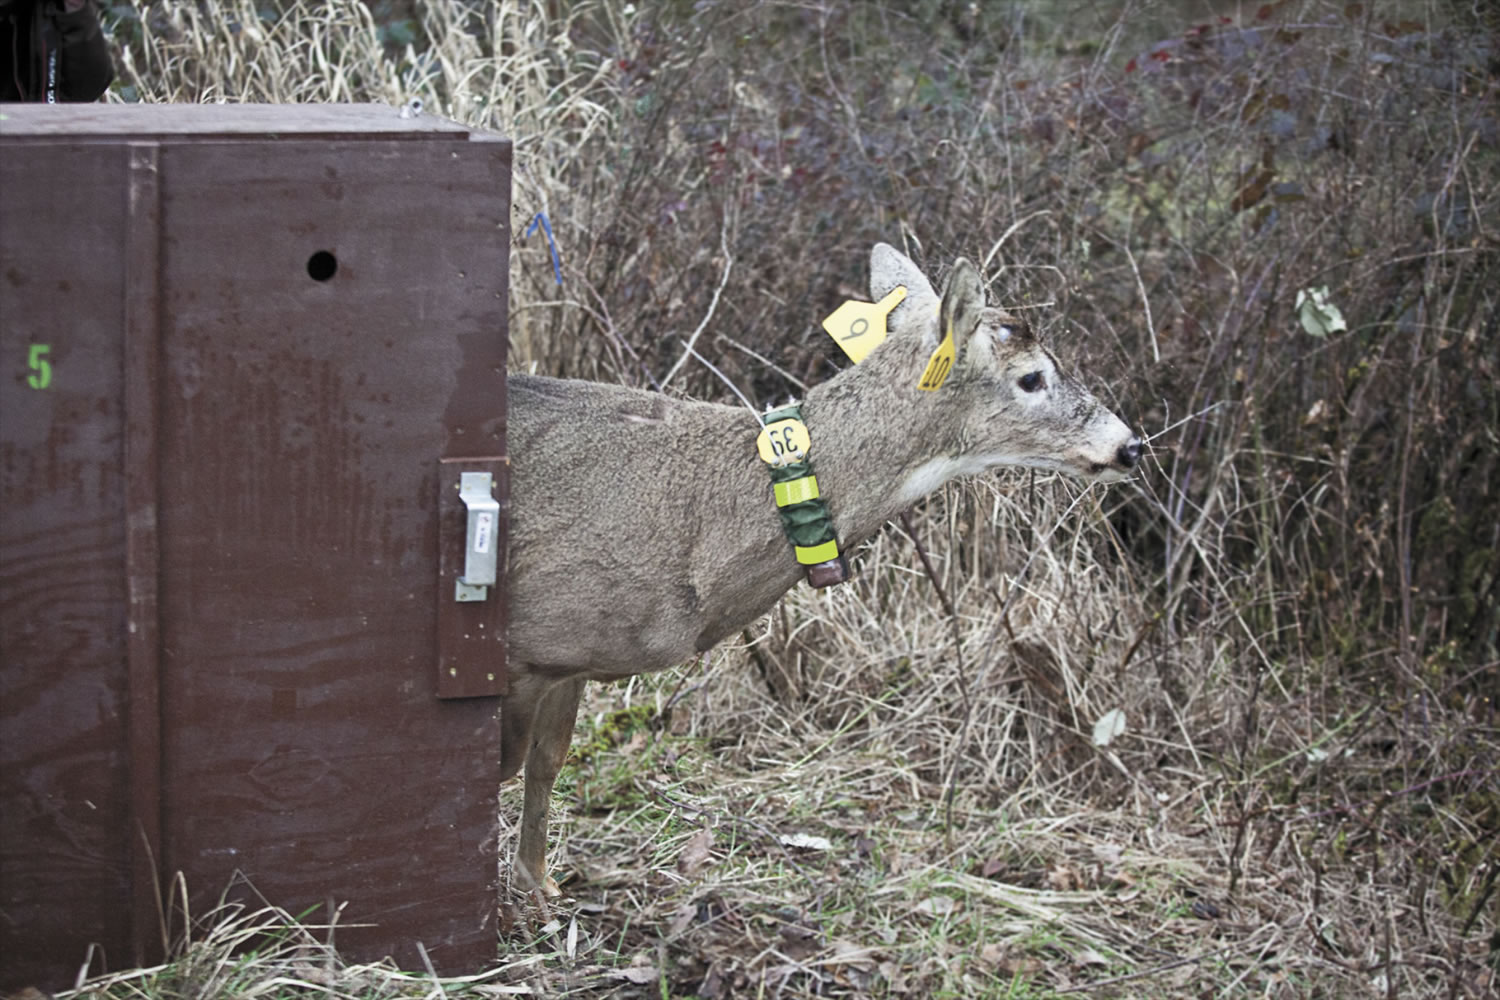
x: 508, y: 917
x: 696, y: 852
x: 1089, y: 956
x: 799, y: 943
x: 681, y: 918
x: 857, y: 955
x: 1253, y: 192
x: 1063, y: 878
x: 894, y: 976
x: 1009, y: 962
x: 712, y: 986
x: 638, y: 974
x: 1110, y: 854
x: 1109, y: 725
x: 936, y: 906
x: 806, y: 841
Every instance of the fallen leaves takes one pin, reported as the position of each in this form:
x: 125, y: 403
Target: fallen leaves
x: 638, y: 974
x: 696, y: 852
x: 937, y: 906
x: 806, y: 842
x: 1108, y: 726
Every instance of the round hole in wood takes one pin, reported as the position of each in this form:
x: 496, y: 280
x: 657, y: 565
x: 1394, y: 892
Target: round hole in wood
x: 322, y: 265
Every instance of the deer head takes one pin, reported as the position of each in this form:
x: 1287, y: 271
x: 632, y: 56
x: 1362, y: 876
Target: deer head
x: 1013, y: 402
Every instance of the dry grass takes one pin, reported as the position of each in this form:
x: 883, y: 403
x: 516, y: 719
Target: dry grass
x: 1160, y: 865
x: 1294, y: 606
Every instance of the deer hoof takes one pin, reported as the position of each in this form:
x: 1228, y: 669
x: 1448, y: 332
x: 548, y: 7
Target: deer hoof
x: 527, y: 882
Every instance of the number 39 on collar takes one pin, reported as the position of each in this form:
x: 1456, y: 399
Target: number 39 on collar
x: 783, y: 441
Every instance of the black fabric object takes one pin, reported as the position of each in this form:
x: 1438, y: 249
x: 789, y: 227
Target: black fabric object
x: 52, y: 50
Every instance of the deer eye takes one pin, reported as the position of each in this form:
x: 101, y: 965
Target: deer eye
x: 1031, y: 382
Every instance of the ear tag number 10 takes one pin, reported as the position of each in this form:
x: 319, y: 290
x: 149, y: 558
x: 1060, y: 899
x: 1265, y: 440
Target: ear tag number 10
x: 940, y: 365
x: 860, y: 327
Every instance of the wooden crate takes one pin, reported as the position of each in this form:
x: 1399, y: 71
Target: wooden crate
x: 245, y: 354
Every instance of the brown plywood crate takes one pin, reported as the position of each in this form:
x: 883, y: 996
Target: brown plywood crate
x: 245, y: 354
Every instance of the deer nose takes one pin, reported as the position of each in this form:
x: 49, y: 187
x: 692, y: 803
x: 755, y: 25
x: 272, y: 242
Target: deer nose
x: 1129, y: 453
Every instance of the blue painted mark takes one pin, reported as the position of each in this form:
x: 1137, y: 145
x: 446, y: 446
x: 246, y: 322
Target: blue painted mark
x: 541, y: 220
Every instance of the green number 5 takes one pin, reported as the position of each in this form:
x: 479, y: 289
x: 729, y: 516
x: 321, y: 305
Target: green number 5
x: 41, y: 368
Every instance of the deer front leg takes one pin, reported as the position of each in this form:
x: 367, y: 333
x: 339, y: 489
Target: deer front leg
x: 551, y: 734
x: 518, y: 710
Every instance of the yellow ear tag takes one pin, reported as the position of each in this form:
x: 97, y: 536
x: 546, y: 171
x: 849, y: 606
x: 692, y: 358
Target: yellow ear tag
x: 859, y: 327
x: 939, y: 365
x: 782, y: 441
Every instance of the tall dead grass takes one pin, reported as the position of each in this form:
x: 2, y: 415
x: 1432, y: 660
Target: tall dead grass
x: 1293, y: 608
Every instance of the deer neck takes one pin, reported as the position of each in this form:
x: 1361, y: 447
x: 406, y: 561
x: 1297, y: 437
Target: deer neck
x: 879, y: 443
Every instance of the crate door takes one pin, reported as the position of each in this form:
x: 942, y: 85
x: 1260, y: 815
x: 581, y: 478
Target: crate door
x: 336, y: 330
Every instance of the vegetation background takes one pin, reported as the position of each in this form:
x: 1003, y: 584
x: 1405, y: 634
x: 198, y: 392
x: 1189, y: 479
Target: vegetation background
x: 1226, y: 730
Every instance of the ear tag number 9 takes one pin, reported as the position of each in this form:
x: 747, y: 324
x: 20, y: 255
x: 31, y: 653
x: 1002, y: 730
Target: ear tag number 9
x: 781, y: 442
x: 940, y: 365
x: 860, y: 327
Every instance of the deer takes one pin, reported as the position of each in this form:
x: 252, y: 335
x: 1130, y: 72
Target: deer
x: 642, y: 528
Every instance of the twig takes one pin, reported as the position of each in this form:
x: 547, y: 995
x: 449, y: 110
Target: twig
x: 725, y: 379
x: 1140, y: 285
x: 1481, y: 899
x: 603, y: 317
x: 1349, y: 808
x: 733, y: 820
x: 911, y: 532
x: 713, y: 304
x: 1007, y: 235
x: 990, y: 645
x: 1389, y: 952
x: 724, y: 338
x: 958, y: 652
x: 1140, y: 637
x: 672, y: 698
x: 1153, y: 971
x: 1191, y: 416
x: 1145, y: 301
x: 1251, y: 727
x: 760, y: 662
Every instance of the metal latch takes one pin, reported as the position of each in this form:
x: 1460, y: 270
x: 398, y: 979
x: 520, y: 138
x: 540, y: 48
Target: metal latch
x: 480, y: 548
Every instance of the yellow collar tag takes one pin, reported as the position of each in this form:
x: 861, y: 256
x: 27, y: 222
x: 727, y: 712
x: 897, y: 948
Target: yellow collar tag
x: 940, y: 365
x: 860, y: 327
x: 782, y: 442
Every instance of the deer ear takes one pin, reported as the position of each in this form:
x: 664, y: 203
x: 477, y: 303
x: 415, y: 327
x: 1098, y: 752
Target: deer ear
x: 963, y: 303
x: 890, y: 267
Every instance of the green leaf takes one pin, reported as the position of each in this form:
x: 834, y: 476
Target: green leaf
x: 1319, y: 316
